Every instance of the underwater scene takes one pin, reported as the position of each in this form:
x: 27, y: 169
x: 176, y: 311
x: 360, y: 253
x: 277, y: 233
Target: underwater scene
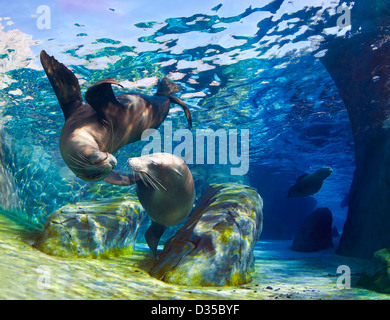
x: 216, y: 150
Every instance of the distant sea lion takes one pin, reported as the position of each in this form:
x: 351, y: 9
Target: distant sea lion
x: 165, y: 189
x: 309, y: 184
x: 93, y: 132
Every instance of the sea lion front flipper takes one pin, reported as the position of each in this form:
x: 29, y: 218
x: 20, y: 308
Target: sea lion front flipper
x: 121, y: 179
x: 185, y: 108
x: 153, y: 235
x: 301, y: 177
x: 64, y: 83
x: 100, y: 95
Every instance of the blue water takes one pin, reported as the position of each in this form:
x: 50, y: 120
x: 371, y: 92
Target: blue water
x: 242, y: 65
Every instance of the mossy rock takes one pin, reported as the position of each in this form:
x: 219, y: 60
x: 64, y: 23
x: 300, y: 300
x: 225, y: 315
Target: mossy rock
x: 92, y: 229
x: 376, y: 275
x: 215, y: 246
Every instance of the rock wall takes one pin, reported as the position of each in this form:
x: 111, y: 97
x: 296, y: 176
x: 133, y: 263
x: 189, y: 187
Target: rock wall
x: 360, y: 66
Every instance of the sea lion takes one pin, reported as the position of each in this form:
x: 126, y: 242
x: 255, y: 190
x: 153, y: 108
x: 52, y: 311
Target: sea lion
x: 309, y: 184
x: 93, y: 131
x: 165, y: 189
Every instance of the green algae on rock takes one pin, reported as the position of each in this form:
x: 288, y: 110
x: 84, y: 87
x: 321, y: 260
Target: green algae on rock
x: 215, y: 246
x: 92, y: 229
x: 376, y: 276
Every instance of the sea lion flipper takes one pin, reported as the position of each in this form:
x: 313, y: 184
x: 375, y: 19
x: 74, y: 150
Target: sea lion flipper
x: 167, y: 87
x: 65, y: 84
x: 153, y: 235
x: 121, y: 179
x: 100, y: 95
x: 185, y: 108
x: 301, y: 177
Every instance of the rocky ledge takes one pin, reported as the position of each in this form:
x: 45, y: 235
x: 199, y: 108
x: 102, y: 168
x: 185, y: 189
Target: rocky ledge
x: 376, y: 275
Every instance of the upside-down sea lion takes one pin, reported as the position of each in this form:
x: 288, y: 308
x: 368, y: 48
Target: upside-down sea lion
x: 309, y: 184
x: 165, y: 189
x: 93, y: 132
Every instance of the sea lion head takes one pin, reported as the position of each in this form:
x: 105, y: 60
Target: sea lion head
x: 83, y: 156
x: 324, y: 172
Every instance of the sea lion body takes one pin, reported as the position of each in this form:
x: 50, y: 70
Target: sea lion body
x: 165, y: 189
x: 93, y: 131
x: 309, y: 184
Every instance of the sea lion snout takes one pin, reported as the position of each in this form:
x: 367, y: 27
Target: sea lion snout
x: 91, y: 167
x: 136, y: 164
x: 113, y: 162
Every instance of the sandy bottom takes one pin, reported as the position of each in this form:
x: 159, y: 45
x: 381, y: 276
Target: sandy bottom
x: 280, y: 273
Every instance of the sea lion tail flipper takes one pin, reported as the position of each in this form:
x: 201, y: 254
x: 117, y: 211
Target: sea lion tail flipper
x: 64, y: 83
x: 167, y: 87
x: 100, y: 94
x: 153, y: 235
x: 185, y: 108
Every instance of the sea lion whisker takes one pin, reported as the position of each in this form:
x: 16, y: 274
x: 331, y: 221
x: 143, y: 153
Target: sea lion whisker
x: 83, y: 158
x: 75, y: 167
x: 156, y: 180
x: 80, y: 163
x: 142, y: 178
x: 78, y: 160
x: 150, y: 181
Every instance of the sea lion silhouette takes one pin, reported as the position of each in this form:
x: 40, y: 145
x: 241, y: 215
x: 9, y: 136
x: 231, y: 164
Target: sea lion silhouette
x: 93, y: 131
x: 309, y: 184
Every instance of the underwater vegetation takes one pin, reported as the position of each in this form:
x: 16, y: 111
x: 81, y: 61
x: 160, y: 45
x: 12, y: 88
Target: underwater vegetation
x: 281, y: 191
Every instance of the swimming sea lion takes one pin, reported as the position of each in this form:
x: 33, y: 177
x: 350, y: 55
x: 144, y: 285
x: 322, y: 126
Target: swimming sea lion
x: 93, y: 132
x: 165, y: 189
x: 309, y: 184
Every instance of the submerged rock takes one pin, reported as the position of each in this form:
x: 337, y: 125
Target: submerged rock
x: 315, y: 233
x: 215, y: 245
x: 376, y: 275
x: 93, y: 229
